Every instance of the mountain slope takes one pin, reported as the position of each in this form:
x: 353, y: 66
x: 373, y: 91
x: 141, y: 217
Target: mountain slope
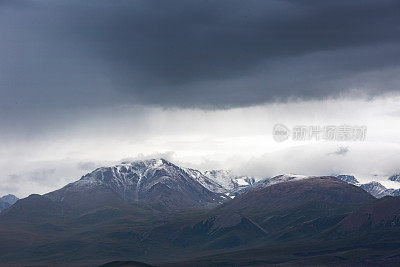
x: 378, y: 190
x: 34, y: 208
x: 222, y: 231
x: 4, y: 205
x: 348, y: 179
x: 382, y: 214
x: 7, y: 201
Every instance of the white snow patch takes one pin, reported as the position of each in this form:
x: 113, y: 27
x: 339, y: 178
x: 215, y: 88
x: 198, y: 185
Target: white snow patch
x: 242, y: 182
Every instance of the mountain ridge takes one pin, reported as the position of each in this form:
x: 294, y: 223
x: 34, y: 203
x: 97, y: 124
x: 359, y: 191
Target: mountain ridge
x: 156, y: 181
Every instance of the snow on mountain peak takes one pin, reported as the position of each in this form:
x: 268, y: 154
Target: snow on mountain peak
x: 395, y: 178
x: 130, y: 174
x: 229, y: 180
x: 350, y: 179
x: 283, y: 178
x: 154, y: 163
x: 207, y: 182
x: 378, y: 190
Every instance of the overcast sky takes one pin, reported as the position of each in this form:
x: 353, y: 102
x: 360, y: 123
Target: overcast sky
x: 87, y: 83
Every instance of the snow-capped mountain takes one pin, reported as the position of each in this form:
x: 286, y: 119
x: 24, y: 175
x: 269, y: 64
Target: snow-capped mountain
x: 156, y: 181
x: 350, y: 179
x: 378, y: 190
x: 395, y: 178
x: 7, y: 201
x: 228, y: 180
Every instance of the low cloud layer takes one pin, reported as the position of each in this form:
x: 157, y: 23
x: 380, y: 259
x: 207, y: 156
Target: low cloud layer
x: 239, y: 139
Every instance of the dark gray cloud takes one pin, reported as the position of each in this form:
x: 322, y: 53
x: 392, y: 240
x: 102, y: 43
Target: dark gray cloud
x: 67, y: 54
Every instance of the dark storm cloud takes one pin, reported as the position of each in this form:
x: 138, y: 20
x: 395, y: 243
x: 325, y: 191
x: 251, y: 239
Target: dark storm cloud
x: 194, y: 53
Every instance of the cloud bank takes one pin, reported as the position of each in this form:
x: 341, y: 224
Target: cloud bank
x: 208, y: 54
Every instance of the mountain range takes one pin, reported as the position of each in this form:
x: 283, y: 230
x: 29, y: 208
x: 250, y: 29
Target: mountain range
x: 156, y: 212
